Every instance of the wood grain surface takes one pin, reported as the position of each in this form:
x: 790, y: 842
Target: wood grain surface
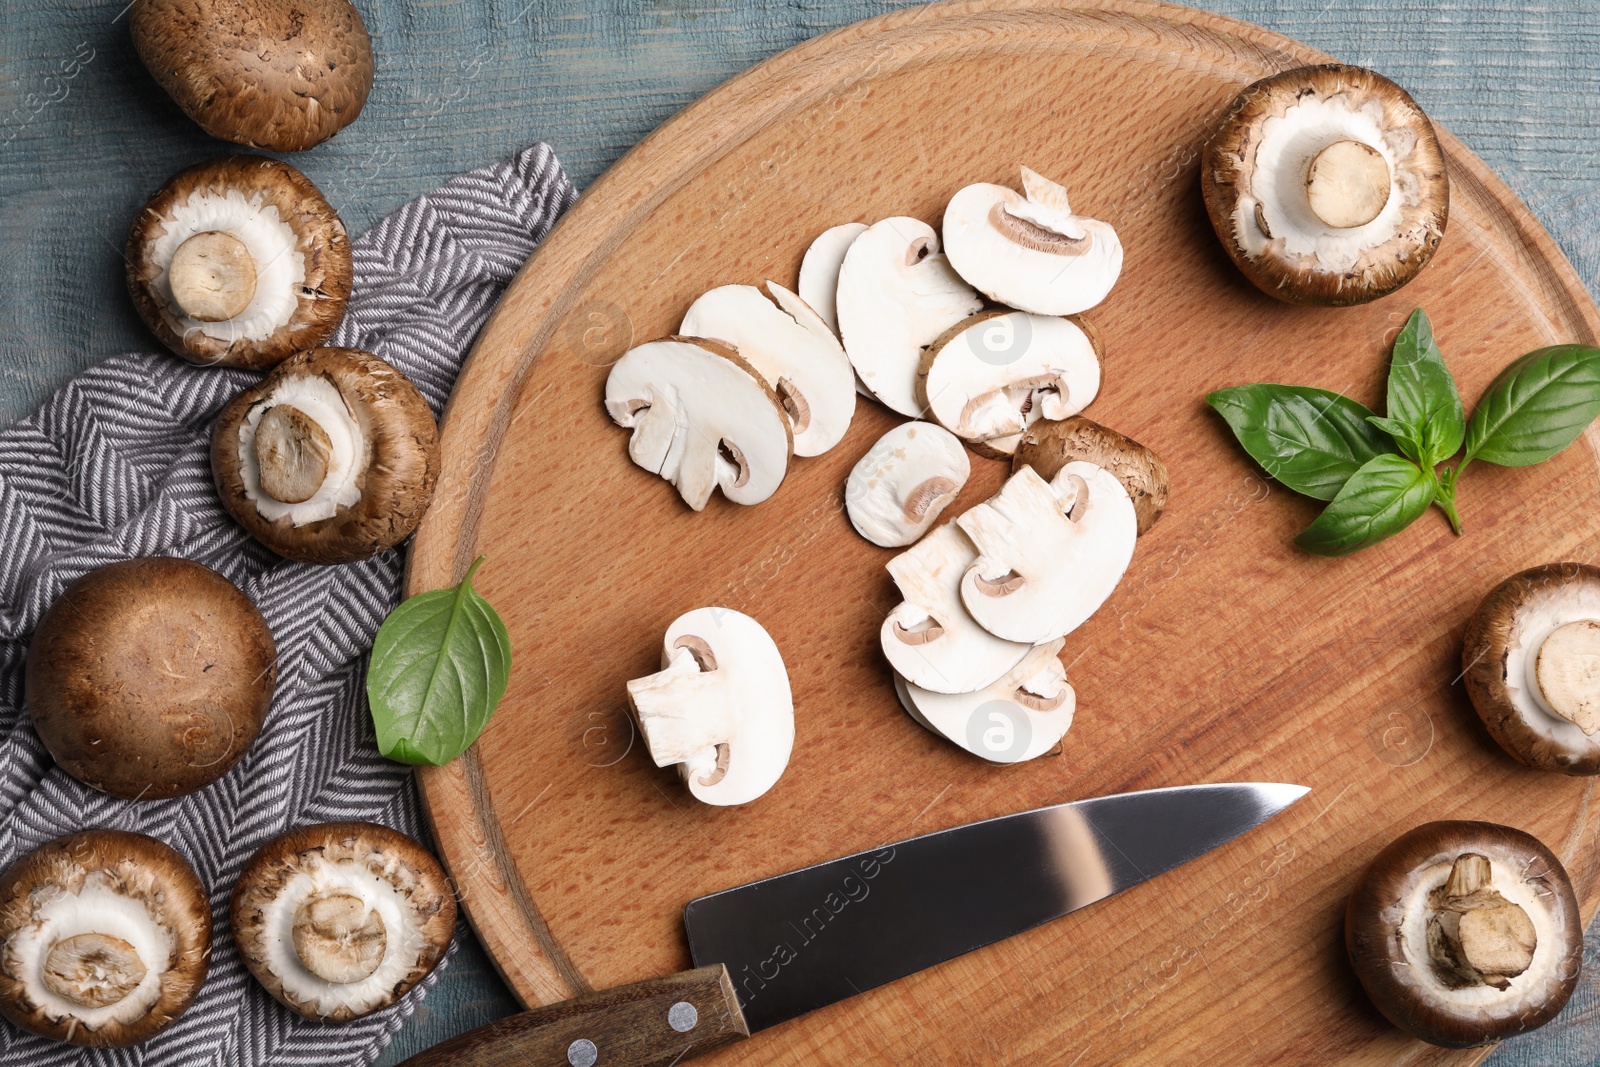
x: 1225, y: 655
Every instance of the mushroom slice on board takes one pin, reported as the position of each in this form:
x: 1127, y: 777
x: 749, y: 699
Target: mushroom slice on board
x: 150, y: 678
x: 341, y: 919
x: 1326, y: 185
x: 105, y: 937
x: 1028, y: 250
x: 819, y: 270
x: 897, y: 294
x: 1049, y: 553
x: 272, y: 74
x: 1049, y: 446
x: 702, y: 418
x: 1531, y: 659
x: 720, y: 708
x: 1464, y: 933
x: 239, y: 262
x: 930, y: 639
x: 793, y: 349
x: 1019, y: 717
x: 990, y: 377
x: 904, y: 482
x: 329, y: 459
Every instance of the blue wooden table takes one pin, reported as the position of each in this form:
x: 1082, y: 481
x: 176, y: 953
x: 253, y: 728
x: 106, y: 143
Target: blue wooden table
x: 85, y: 137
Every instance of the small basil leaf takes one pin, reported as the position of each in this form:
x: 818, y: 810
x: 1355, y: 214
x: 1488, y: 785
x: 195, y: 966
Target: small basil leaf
x: 440, y: 663
x: 1382, y: 498
x: 1423, y: 395
x: 1537, y: 407
x: 1403, y: 436
x: 1309, y: 439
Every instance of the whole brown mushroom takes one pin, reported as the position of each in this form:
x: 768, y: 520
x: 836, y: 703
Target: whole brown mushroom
x: 149, y: 678
x: 280, y: 75
x: 105, y: 938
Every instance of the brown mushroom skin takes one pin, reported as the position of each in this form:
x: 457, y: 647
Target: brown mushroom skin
x: 1048, y: 446
x: 323, y: 243
x: 137, y: 862
x: 1371, y: 932
x: 279, y: 75
x: 1222, y: 168
x: 1483, y: 655
x: 275, y: 863
x: 150, y: 678
x: 396, y: 485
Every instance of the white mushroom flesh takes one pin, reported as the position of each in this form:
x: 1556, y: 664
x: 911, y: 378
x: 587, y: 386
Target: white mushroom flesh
x: 819, y: 270
x: 1019, y: 717
x: 319, y: 400
x: 1532, y: 628
x: 904, y: 482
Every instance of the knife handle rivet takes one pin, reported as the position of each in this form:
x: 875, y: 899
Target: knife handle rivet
x: 582, y: 1053
x: 682, y: 1016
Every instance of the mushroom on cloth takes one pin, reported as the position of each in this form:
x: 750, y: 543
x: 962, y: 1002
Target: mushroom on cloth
x: 105, y: 938
x: 1020, y: 716
x: 905, y: 481
x: 239, y: 262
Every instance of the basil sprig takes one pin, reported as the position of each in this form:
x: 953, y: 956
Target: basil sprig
x: 1380, y: 473
x: 440, y: 663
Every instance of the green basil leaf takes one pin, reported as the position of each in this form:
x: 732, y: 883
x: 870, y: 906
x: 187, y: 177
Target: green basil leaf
x: 1537, y: 407
x: 1404, y: 436
x: 1423, y: 395
x: 440, y: 663
x: 1385, y: 496
x: 1309, y: 439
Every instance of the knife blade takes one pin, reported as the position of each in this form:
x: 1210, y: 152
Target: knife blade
x: 786, y: 945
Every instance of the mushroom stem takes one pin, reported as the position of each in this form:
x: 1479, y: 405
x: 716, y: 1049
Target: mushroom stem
x: 1567, y: 670
x: 212, y: 276
x: 292, y: 453
x: 1475, y: 935
x: 92, y: 970
x: 338, y: 938
x: 1347, y: 184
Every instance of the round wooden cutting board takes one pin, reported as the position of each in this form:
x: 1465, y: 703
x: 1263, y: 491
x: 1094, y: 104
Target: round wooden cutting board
x: 1225, y: 655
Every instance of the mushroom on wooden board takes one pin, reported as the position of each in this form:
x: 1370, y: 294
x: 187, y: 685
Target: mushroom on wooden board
x: 239, y: 262
x: 105, y: 938
x: 720, y: 708
x: 1531, y: 661
x: 329, y: 459
x: 149, y: 678
x: 819, y: 270
x: 905, y: 481
x: 1326, y: 185
x: 1019, y: 717
x: 1028, y: 250
x: 1464, y: 933
x: 1049, y: 446
x: 280, y: 75
x: 341, y: 919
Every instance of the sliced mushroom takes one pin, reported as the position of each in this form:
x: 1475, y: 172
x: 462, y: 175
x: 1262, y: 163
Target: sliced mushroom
x: 331, y: 458
x: 720, y: 709
x: 239, y: 262
x: 280, y: 75
x: 897, y: 294
x: 990, y: 377
x: 1326, y: 185
x: 1531, y: 661
x: 1028, y: 250
x: 341, y: 919
x: 1049, y: 553
x: 1019, y: 717
x: 930, y: 639
x: 819, y: 270
x: 1464, y: 933
x: 904, y: 482
x: 795, y: 352
x: 150, y: 678
x: 105, y: 938
x: 1049, y: 446
x: 702, y: 418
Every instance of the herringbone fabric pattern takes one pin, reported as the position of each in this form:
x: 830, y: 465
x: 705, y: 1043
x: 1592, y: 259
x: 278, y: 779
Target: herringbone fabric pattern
x: 115, y: 466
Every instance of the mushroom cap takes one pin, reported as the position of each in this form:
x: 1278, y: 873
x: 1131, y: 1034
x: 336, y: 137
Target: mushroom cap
x: 819, y: 270
x: 1254, y: 171
x: 1386, y: 934
x: 1048, y: 446
x: 280, y: 75
x: 299, y: 248
x: 149, y: 678
x: 150, y: 913
x: 904, y: 482
x: 1019, y: 717
x: 1499, y: 658
x: 382, y: 875
x: 395, y: 462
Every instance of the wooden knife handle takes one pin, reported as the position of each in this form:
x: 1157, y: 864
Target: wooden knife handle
x: 654, y: 1023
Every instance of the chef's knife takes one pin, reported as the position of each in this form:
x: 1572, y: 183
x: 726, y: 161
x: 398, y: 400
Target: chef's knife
x: 799, y: 941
